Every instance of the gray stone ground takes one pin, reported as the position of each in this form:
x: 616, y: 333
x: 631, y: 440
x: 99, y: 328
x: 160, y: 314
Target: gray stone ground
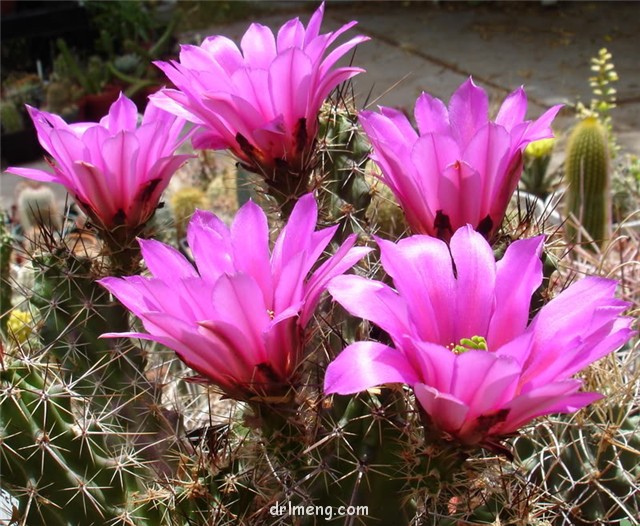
x: 434, y: 47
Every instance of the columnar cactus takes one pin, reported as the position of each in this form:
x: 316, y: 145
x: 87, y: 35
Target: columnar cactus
x: 586, y: 468
x: 343, y: 155
x: 587, y: 172
x: 64, y: 463
x: 6, y: 249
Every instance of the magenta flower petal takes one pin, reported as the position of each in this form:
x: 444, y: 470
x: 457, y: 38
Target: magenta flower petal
x: 460, y: 168
x: 114, y: 169
x: 367, y: 364
x: 345, y: 258
x: 581, y: 325
x: 384, y: 307
x: 431, y: 115
x: 422, y: 273
x: 468, y: 111
x: 463, y: 342
x: 475, y: 281
x: 304, y: 216
x: 123, y: 115
x: 558, y: 397
x: 518, y: 276
x: 239, y: 317
x: 34, y: 174
x: 513, y: 109
x: 448, y: 413
x: 541, y: 127
x: 258, y: 46
x: 239, y: 301
x: 250, y: 242
x: 484, y: 381
x: 164, y: 261
x: 489, y: 152
x: 210, y: 242
x: 239, y: 97
x: 289, y: 79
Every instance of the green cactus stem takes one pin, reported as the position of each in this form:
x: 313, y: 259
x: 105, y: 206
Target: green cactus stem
x: 63, y: 469
x: 75, y: 311
x: 588, y: 469
x: 344, y: 194
x: 6, y: 249
x: 588, y: 179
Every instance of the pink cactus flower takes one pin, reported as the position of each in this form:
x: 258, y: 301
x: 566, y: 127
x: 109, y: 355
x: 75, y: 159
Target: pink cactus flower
x: 459, y: 168
x: 260, y: 101
x: 115, y: 170
x: 461, y: 337
x: 238, y: 317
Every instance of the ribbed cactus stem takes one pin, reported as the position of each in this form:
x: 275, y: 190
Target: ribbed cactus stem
x: 282, y: 429
x: 6, y: 248
x: 286, y: 185
x: 123, y: 250
x: 590, y: 465
x: 344, y: 193
x: 110, y: 372
x: 362, y: 453
x: 588, y: 179
x: 384, y: 489
x: 64, y: 470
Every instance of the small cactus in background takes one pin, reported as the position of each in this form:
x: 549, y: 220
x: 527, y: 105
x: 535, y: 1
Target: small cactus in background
x: 37, y: 208
x: 587, y: 172
x: 184, y: 203
x: 10, y: 117
x: 60, y: 99
x: 604, y: 95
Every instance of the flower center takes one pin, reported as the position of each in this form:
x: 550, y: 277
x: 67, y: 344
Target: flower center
x: 475, y: 343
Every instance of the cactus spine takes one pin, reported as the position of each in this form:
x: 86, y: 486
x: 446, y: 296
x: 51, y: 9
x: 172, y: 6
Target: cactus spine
x: 587, y: 469
x: 344, y: 194
x: 65, y: 468
x: 6, y: 249
x: 587, y: 169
